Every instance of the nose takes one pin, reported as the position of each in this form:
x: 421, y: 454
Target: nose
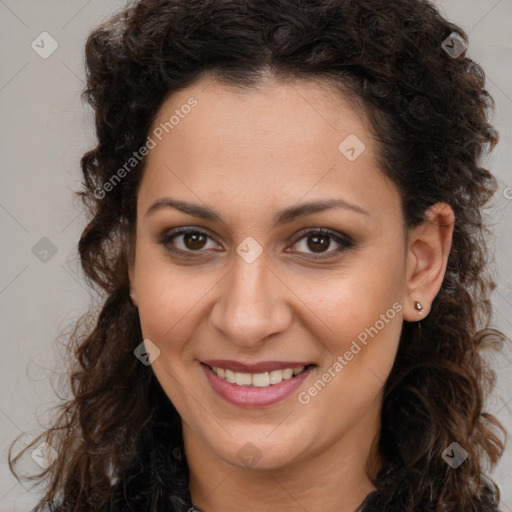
x: 252, y: 304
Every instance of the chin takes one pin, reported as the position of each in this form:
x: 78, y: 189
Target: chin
x: 260, y: 452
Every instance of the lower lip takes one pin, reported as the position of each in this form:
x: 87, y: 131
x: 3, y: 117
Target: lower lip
x: 253, y: 396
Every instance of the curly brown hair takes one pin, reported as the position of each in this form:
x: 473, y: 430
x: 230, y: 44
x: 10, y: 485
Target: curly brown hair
x: 119, y: 438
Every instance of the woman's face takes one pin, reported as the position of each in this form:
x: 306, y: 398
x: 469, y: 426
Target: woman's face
x: 306, y: 323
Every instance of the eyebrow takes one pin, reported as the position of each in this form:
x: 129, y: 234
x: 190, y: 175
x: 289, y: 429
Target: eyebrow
x: 284, y: 216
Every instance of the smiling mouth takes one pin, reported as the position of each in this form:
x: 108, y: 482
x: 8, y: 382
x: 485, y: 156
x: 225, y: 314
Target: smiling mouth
x: 260, y: 379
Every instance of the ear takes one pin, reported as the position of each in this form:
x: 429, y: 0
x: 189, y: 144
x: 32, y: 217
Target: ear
x: 130, y: 257
x: 133, y: 290
x: 428, y: 249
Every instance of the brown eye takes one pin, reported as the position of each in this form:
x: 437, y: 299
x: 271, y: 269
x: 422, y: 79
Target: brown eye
x: 318, y: 243
x: 194, y: 241
x: 187, y: 241
x: 320, y: 240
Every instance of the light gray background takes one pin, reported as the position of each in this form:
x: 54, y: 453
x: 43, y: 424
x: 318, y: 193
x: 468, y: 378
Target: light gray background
x: 44, y: 132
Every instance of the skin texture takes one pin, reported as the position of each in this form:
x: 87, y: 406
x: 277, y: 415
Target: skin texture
x: 247, y: 154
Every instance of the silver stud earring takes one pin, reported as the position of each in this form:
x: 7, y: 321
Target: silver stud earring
x: 419, y: 307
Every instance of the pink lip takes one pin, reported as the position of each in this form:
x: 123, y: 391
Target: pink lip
x: 264, y: 366
x: 252, y: 396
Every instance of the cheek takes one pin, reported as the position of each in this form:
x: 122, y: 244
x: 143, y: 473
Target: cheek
x: 365, y: 322
x: 164, y: 296
x: 171, y: 302
x: 354, y: 301
x: 363, y: 312
x: 165, y: 308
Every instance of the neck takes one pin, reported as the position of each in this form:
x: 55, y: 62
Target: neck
x: 332, y: 480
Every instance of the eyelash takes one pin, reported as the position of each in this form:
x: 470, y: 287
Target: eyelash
x: 344, y: 241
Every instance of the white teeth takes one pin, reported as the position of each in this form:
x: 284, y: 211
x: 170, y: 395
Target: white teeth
x: 260, y: 380
x: 243, y: 379
x: 230, y: 376
x: 276, y: 376
x: 287, y: 374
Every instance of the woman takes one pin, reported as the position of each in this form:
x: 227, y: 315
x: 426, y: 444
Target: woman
x: 286, y: 224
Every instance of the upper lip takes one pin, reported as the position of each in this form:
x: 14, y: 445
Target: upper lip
x: 261, y: 367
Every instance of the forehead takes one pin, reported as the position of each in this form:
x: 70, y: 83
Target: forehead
x: 276, y: 142
x: 299, y: 114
